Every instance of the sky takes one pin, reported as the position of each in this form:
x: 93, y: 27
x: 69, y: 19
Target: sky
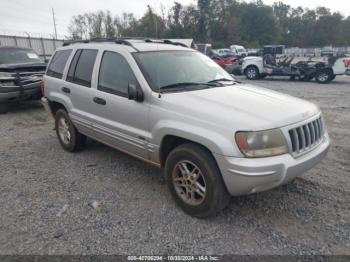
x: 35, y: 16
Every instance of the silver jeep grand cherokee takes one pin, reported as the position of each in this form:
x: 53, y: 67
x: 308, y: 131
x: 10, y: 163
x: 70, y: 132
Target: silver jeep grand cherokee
x: 177, y: 109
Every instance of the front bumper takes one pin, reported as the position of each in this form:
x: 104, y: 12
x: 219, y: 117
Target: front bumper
x: 20, y: 93
x: 251, y: 175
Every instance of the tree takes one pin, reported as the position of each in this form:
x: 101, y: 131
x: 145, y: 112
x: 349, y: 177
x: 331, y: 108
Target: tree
x: 281, y: 12
x: 151, y: 24
x: 222, y: 23
x: 258, y: 24
x: 110, y: 30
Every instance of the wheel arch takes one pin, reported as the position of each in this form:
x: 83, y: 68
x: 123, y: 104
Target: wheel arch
x: 55, y: 106
x: 169, y: 142
x: 57, y: 101
x: 252, y: 65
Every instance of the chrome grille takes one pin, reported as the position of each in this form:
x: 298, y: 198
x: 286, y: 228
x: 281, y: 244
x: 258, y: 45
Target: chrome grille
x: 306, y: 136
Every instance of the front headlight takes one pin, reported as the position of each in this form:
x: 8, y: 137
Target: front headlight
x: 262, y: 143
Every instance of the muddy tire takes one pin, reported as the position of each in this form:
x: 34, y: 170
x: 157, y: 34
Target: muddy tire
x: 68, y: 136
x: 195, y: 181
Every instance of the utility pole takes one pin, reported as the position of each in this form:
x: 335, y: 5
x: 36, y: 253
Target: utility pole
x: 54, y: 23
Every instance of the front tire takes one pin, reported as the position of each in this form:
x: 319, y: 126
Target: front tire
x: 195, y: 181
x: 252, y: 73
x: 68, y: 136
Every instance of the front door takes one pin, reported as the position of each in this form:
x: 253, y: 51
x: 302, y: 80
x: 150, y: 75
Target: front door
x: 119, y: 122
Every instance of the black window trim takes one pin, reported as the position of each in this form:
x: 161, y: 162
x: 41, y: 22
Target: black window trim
x: 112, y: 91
x: 75, y: 81
x: 73, y: 65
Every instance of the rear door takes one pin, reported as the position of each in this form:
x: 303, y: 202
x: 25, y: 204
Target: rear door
x: 78, y: 88
x: 119, y: 122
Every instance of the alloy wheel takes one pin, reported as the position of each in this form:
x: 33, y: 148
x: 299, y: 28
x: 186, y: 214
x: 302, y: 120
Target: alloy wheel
x: 251, y: 73
x: 64, y: 131
x: 189, y: 182
x: 323, y: 77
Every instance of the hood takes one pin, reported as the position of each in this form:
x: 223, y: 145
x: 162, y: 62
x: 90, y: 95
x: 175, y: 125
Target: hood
x: 22, y: 66
x: 241, y: 107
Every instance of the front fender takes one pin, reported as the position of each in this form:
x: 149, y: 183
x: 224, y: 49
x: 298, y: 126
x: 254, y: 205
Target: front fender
x: 216, y: 142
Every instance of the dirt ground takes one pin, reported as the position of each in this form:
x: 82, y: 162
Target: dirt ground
x: 46, y: 195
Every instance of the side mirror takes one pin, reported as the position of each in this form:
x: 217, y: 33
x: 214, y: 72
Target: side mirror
x: 135, y: 93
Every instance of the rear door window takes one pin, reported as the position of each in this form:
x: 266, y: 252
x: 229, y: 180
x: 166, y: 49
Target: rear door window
x: 80, y: 71
x: 58, y: 63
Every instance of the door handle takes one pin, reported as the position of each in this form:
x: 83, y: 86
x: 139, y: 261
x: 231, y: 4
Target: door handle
x: 99, y: 100
x: 66, y: 90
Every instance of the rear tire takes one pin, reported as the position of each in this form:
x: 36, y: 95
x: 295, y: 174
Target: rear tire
x: 68, y: 136
x: 323, y: 76
x: 195, y: 181
x: 252, y: 73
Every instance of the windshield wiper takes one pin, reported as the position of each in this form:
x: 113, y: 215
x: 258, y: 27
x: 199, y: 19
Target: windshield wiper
x: 183, y: 84
x: 221, y: 80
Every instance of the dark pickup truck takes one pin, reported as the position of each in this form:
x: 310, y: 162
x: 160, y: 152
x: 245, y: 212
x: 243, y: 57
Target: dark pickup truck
x: 21, y: 71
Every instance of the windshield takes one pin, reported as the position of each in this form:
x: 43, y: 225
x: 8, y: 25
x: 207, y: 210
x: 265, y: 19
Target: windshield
x: 18, y: 56
x: 165, y: 68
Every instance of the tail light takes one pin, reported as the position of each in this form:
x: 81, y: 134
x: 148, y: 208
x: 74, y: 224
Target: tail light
x: 42, y: 87
x: 347, y: 62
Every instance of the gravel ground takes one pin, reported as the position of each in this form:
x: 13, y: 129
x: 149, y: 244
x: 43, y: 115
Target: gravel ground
x: 46, y: 195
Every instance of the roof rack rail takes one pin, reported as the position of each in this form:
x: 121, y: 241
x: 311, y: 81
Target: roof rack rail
x: 125, y: 41
x: 164, y: 41
x: 121, y: 41
x: 116, y: 40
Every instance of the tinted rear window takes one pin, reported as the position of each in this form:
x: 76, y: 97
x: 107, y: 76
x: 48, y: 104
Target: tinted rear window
x: 84, y: 67
x: 58, y: 63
